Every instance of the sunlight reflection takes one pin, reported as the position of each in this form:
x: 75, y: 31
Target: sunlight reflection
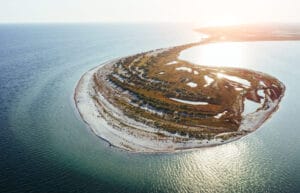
x: 226, y: 54
x: 213, y: 163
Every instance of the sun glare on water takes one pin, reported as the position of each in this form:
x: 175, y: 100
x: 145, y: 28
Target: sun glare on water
x: 227, y: 54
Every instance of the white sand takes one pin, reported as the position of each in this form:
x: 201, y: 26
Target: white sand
x: 192, y: 84
x: 171, y: 63
x: 110, y: 124
x: 107, y: 127
x: 189, y: 102
x: 234, y: 79
x: 184, y: 69
x: 218, y: 116
x: 208, y: 80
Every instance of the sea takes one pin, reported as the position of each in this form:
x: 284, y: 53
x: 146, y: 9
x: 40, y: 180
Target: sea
x: 46, y: 147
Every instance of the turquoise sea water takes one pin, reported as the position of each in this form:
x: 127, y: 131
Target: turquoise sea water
x: 46, y: 147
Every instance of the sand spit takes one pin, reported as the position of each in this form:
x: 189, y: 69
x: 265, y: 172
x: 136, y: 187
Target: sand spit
x: 109, y: 123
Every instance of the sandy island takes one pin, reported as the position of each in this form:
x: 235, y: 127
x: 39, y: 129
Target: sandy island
x: 154, y: 102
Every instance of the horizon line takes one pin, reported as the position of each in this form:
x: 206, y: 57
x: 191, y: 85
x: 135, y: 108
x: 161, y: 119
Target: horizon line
x: 140, y: 22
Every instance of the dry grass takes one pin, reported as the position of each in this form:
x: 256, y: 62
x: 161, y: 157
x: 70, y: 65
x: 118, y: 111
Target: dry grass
x: 146, y: 86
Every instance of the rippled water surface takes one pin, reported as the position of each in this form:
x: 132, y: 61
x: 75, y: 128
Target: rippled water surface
x: 45, y: 146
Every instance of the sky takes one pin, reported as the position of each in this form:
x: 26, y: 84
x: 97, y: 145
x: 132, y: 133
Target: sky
x: 204, y: 12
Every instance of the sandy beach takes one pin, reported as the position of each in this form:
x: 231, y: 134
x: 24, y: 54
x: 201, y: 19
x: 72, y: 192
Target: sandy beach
x: 111, y: 124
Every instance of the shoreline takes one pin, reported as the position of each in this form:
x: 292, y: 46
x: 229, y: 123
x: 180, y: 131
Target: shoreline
x: 96, y: 130
x: 89, y: 112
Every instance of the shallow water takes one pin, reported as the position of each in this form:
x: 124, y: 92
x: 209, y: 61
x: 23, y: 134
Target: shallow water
x: 45, y: 146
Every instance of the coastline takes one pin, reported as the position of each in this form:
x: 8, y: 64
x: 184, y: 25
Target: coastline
x: 97, y: 122
x: 102, y: 130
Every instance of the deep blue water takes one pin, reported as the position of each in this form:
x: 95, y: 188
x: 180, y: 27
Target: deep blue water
x: 45, y: 146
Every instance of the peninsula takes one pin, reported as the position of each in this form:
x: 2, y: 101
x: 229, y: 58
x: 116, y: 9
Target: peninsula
x: 155, y: 102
